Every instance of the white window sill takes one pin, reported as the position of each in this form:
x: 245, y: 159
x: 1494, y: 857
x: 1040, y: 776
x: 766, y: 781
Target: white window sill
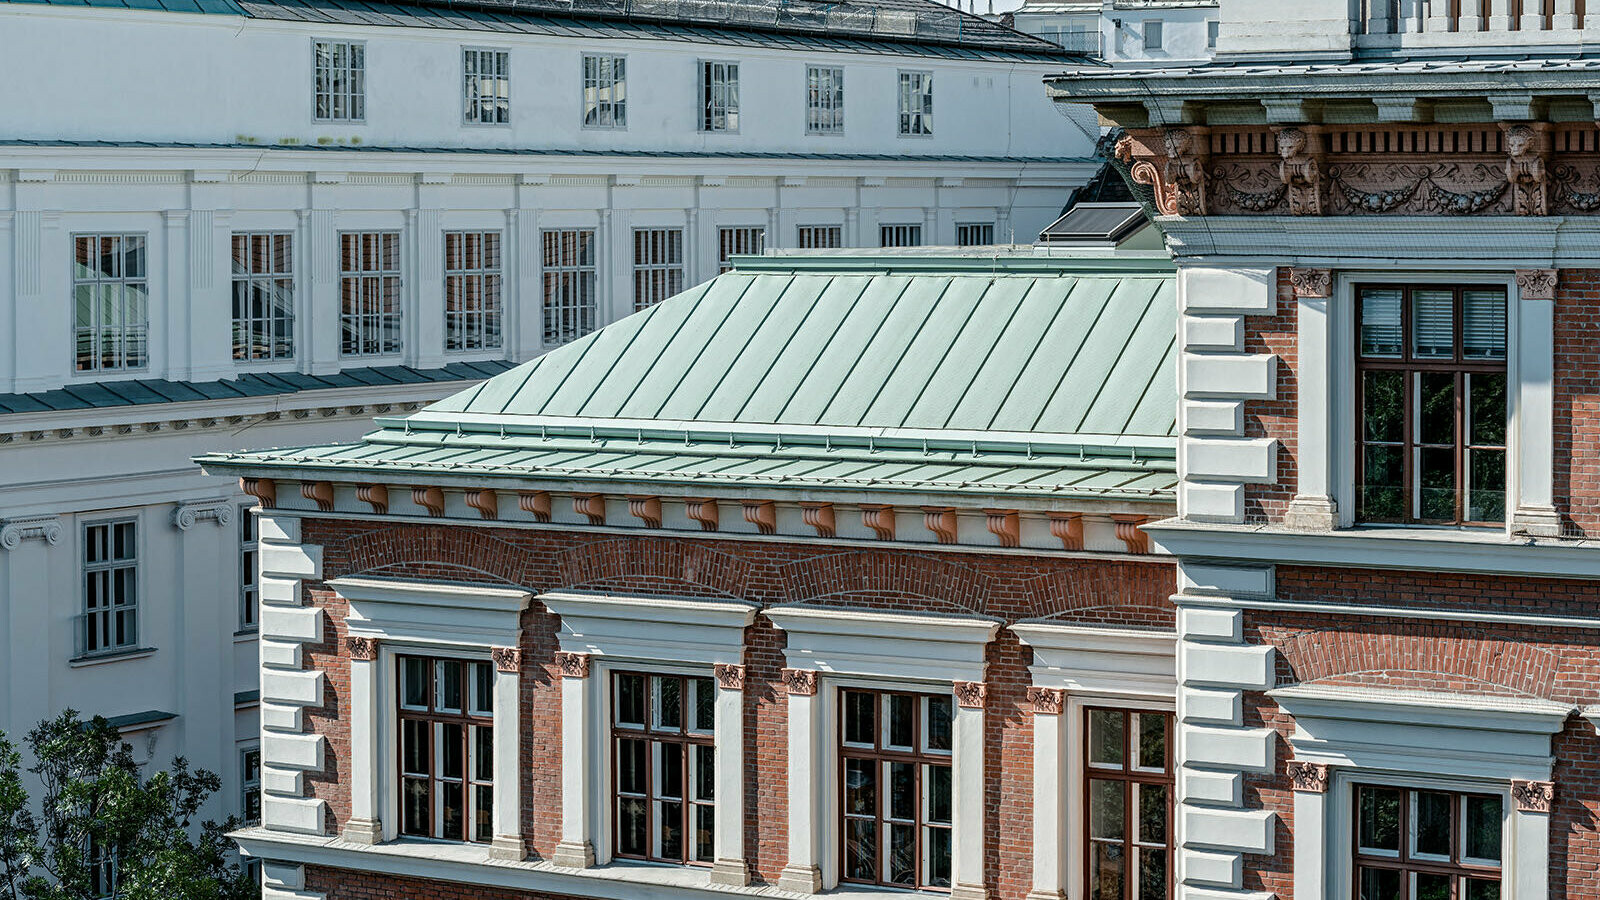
x: 471, y: 863
x: 97, y: 659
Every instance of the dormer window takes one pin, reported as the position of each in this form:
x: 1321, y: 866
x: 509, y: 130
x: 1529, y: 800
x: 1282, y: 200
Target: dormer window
x: 1431, y: 395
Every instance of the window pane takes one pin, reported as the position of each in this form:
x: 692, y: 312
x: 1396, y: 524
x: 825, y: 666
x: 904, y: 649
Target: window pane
x: 483, y: 813
x: 1483, y: 327
x: 414, y: 747
x: 482, y: 688
x: 940, y: 797
x: 1106, y: 809
x: 668, y: 702
x: 669, y: 774
x: 858, y: 718
x: 1107, y: 740
x: 938, y: 853
x: 1488, y: 408
x: 1379, y: 819
x: 1380, y: 323
x: 630, y: 700
x: 1432, y: 826
x: 1152, y: 874
x: 451, y: 765
x: 705, y: 705
x: 1436, y: 475
x: 1479, y: 889
x: 1152, y: 813
x: 1486, y: 501
x: 902, y: 721
x: 1378, y: 884
x: 416, y: 818
x: 902, y: 791
x: 451, y: 689
x: 705, y: 772
x: 1383, y: 406
x: 1431, y: 886
x: 860, y: 849
x: 1383, y: 494
x: 453, y: 826
x: 860, y: 787
x: 631, y: 766
x: 1436, y: 407
x: 482, y: 753
x: 705, y: 832
x: 1432, y: 324
x: 1152, y: 741
x: 902, y: 854
x: 941, y: 719
x: 671, y: 827
x: 634, y: 827
x: 1106, y: 875
x: 1483, y: 823
x: 414, y: 673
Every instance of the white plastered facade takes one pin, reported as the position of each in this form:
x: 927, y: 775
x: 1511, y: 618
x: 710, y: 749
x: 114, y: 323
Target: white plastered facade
x: 848, y: 647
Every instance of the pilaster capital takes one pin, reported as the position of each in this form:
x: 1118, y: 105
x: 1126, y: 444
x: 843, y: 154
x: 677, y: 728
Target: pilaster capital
x: 362, y: 648
x: 1536, y: 284
x: 1311, y: 284
x: 800, y: 682
x: 506, y: 659
x: 1533, y: 796
x: 730, y: 676
x: 189, y: 513
x: 14, y: 531
x: 572, y: 665
x: 971, y: 694
x: 1046, y: 701
x: 1308, y: 777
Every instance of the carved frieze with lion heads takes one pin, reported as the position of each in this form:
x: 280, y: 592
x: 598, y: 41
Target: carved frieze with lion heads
x: 1392, y: 169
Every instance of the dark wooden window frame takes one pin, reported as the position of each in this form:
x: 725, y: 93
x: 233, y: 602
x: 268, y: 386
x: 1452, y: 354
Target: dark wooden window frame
x: 651, y: 735
x: 1129, y: 775
x: 1404, y: 862
x: 1409, y: 365
x: 918, y: 757
x: 467, y: 718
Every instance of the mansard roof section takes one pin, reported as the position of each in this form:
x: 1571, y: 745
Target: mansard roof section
x: 916, y: 27
x: 839, y: 344
x: 1463, y: 89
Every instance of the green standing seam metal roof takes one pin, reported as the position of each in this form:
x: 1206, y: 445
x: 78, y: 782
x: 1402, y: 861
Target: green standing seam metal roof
x: 1010, y: 376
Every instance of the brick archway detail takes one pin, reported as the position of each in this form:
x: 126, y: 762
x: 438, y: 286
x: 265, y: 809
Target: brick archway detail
x: 1103, y: 586
x: 451, y: 548
x: 654, y: 559
x: 1477, y: 658
x: 874, y: 572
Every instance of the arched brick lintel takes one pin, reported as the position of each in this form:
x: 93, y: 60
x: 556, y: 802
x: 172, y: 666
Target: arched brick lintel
x: 455, y: 548
x: 1474, y: 658
x: 1103, y: 585
x: 869, y: 572
x: 655, y: 559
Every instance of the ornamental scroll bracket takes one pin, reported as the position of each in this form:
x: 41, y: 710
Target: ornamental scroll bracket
x: 29, y: 528
x: 187, y: 515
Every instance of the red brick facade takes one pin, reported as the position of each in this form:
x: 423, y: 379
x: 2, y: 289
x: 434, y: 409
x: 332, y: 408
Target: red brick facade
x: 1082, y: 590
x: 1275, y: 334
x: 1576, y: 478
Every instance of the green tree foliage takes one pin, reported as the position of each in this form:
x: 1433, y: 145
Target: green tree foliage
x: 101, y: 828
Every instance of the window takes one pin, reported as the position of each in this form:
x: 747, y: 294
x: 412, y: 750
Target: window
x: 249, y: 588
x: 446, y: 749
x: 664, y: 767
x: 369, y: 292
x: 974, y: 234
x: 250, y: 785
x: 605, y: 92
x: 570, y: 293
x: 1431, y: 376
x: 472, y: 290
x: 102, y: 866
x: 1212, y: 27
x: 1128, y: 790
x: 111, y: 294
x: 110, y: 588
x: 824, y: 100
x: 339, y: 81
x: 819, y: 237
x: 719, y: 96
x: 895, y: 758
x: 1152, y: 34
x: 1425, y: 844
x: 263, y: 296
x: 657, y: 265
x: 733, y: 241
x: 916, y: 103
x: 486, y: 86
x: 900, y: 235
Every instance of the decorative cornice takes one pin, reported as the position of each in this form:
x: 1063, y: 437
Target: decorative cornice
x: 702, y: 510
x: 971, y: 694
x: 1067, y: 527
x: 1046, y: 701
x: 362, y: 648
x: 321, y: 492
x: 646, y: 510
x: 1533, y: 796
x: 536, y: 504
x: 1537, y: 284
x: 1311, y: 284
x: 486, y: 502
x: 591, y: 507
x: 820, y: 517
x: 24, y: 528
x: 1130, y: 534
x: 196, y: 423
x: 572, y: 665
x: 763, y: 514
x: 188, y: 514
x: 1308, y: 777
x: 941, y: 520
x: 506, y: 659
x: 430, y: 499
x: 730, y: 676
x: 800, y: 682
x: 1006, y: 525
x: 263, y: 489
x: 374, y: 495
x: 880, y: 519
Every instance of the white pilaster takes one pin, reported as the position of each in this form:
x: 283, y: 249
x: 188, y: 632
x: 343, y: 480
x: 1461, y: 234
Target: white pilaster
x: 577, y: 767
x: 1534, y: 420
x: 966, y: 864
x: 365, y: 825
x: 508, y: 842
x: 425, y: 342
x: 319, y: 332
x: 26, y: 544
x: 1313, y: 506
x: 802, y: 874
x: 1049, y: 799
x: 730, y: 867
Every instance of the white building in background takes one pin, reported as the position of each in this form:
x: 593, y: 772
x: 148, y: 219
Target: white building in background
x: 1134, y: 33
x: 246, y: 224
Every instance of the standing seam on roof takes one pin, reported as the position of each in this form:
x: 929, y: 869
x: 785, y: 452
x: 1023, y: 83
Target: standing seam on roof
x: 999, y: 335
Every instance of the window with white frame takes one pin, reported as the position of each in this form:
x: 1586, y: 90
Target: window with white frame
x: 916, y: 103
x: 110, y: 619
x: 446, y: 714
x: 819, y: 237
x: 749, y: 239
x: 824, y: 100
x: 605, y: 91
x: 473, y: 284
x: 974, y: 234
x: 250, y: 785
x: 571, y: 292
x: 486, y: 86
x: 1213, y: 27
x: 1153, y: 34
x: 263, y: 295
x: 369, y: 293
x: 249, y: 586
x: 111, y: 302
x: 658, y: 271
x: 719, y: 96
x: 1426, y: 844
x: 896, y: 802
x: 1128, y: 804
x: 663, y: 730
x: 900, y: 235
x: 339, y: 81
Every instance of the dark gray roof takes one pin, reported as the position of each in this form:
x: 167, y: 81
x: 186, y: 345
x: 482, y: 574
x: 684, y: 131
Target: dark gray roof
x: 908, y: 27
x: 1095, y: 223
x: 547, y: 151
x: 105, y: 395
